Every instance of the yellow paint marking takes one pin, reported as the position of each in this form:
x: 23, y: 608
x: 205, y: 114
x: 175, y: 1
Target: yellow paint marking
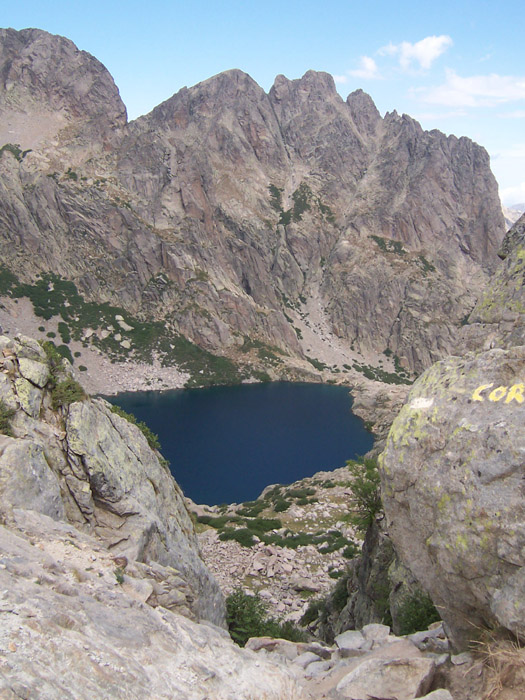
x: 498, y: 393
x: 516, y: 393
x: 476, y: 396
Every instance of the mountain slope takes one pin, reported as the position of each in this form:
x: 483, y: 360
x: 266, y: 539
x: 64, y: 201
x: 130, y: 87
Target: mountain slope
x: 227, y: 213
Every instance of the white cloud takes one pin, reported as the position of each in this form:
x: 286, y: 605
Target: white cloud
x: 517, y: 114
x: 515, y: 151
x: 341, y: 79
x: 452, y: 114
x: 423, y: 52
x: 513, y: 195
x: 475, y: 91
x: 367, y: 70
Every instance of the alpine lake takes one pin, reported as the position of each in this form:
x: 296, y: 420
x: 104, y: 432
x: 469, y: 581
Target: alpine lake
x: 226, y: 444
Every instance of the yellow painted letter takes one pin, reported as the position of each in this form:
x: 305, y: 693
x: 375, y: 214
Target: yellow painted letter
x: 516, y: 393
x: 476, y: 396
x: 498, y: 393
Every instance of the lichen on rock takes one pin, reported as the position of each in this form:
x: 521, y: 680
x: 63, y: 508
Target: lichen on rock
x: 78, y: 461
x: 452, y: 484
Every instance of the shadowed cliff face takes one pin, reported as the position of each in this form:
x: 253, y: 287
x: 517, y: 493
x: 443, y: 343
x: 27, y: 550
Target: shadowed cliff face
x: 228, y: 212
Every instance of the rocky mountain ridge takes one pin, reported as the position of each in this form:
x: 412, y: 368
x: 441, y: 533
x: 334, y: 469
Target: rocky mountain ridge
x: 244, y: 221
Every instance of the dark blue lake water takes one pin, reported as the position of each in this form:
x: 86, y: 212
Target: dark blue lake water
x: 225, y: 444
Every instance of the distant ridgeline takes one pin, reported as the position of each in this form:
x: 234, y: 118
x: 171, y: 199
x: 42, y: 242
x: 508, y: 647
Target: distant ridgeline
x: 229, y: 228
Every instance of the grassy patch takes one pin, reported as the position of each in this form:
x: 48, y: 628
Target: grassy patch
x: 247, y: 616
x: 54, y: 296
x: 387, y: 245
x: 66, y: 392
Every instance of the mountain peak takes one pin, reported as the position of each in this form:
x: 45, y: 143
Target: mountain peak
x: 49, y: 74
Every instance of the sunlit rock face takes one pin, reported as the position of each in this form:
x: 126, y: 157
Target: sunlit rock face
x: 226, y: 208
x: 81, y: 463
x: 452, y: 484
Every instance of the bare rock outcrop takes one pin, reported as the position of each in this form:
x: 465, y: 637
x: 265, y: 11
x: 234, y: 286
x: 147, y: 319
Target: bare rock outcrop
x: 74, y: 625
x: 452, y: 475
x: 53, y: 94
x: 73, y: 459
x: 498, y: 319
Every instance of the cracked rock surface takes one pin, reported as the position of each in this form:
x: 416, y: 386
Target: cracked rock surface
x: 85, y: 465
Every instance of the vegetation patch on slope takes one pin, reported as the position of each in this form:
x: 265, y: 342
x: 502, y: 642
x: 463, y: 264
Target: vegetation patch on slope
x: 117, y: 333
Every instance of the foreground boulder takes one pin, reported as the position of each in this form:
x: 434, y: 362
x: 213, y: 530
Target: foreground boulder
x: 76, y: 627
x: 452, y: 483
x: 73, y: 459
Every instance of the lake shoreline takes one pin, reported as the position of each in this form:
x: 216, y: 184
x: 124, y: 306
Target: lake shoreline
x: 227, y: 443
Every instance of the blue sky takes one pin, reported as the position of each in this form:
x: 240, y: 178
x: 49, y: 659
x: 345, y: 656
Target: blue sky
x: 455, y: 66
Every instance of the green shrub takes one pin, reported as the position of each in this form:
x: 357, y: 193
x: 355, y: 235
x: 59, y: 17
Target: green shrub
x: 242, y: 535
x: 153, y: 440
x: 14, y: 149
x: 66, y: 392
x: 301, y: 202
x: 82, y: 368
x: 285, y: 217
x: 218, y: 522
x: 335, y: 573
x: 320, y: 366
x: 247, y: 617
x: 351, y: 551
x: 119, y: 575
x: 281, y: 505
x: 276, y: 201
x: 251, y: 509
x: 416, y: 613
x: 6, y: 414
x: 366, y: 495
x: 313, y: 611
x: 64, y: 351
x: 7, y: 281
x: 64, y: 332
x: 340, y: 593
x: 300, y: 493
x: 388, y: 245
x: 260, y: 525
